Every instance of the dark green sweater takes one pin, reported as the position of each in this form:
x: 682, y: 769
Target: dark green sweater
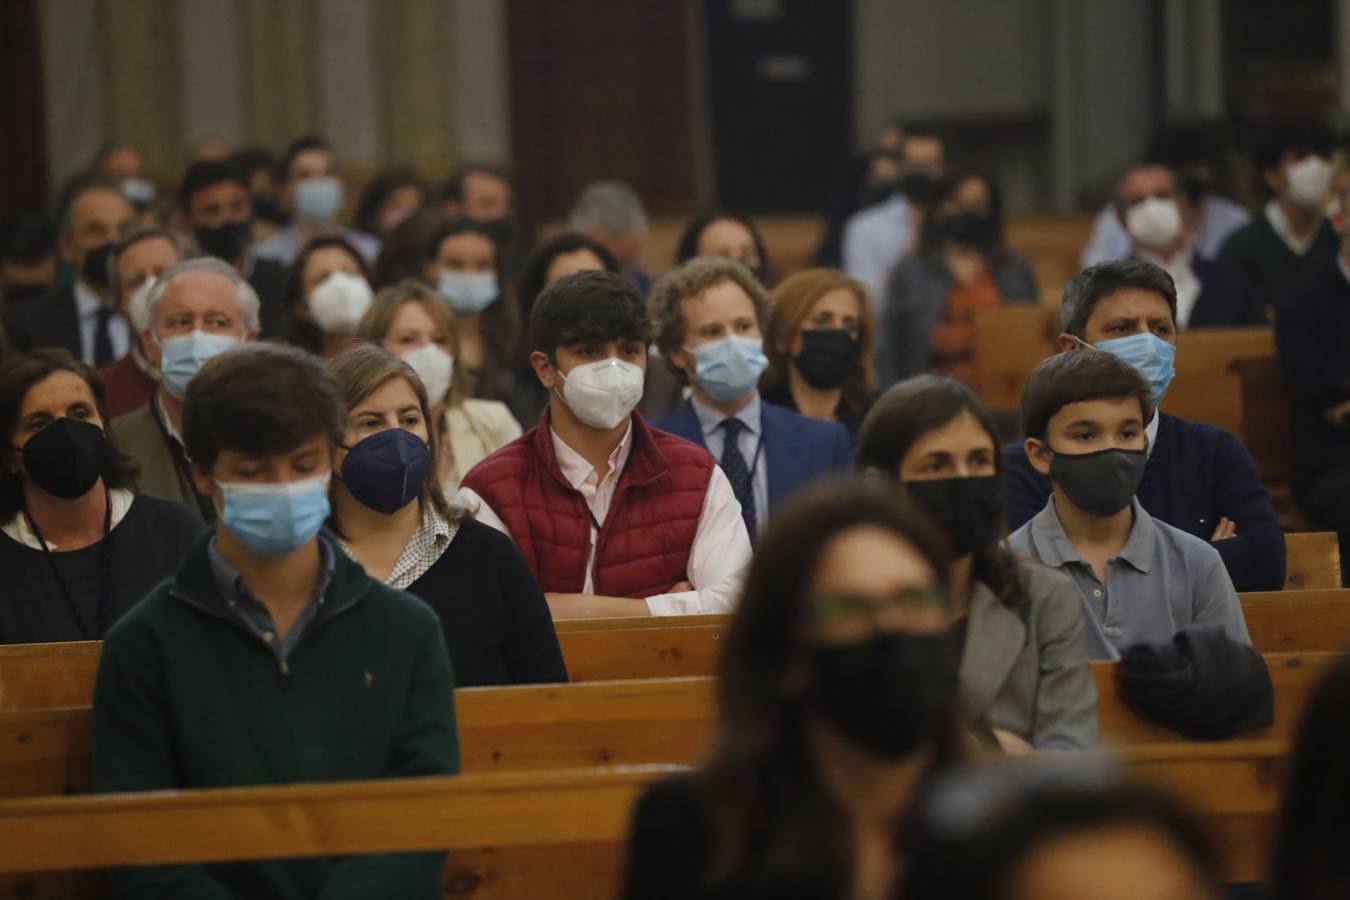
x: 188, y: 697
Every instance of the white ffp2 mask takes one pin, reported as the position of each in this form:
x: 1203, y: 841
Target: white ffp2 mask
x: 604, y: 393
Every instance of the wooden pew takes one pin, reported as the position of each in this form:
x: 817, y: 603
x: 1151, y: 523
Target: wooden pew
x: 1298, y: 621
x: 46, y: 752
x: 1313, y: 560
x: 662, y: 647
x: 535, y: 835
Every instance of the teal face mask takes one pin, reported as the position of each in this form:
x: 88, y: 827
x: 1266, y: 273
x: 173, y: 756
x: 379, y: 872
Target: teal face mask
x: 1151, y: 355
x: 729, y: 368
x: 275, y: 519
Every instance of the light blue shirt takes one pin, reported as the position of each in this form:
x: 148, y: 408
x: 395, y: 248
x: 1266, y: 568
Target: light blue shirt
x: 87, y: 305
x: 751, y: 444
x: 875, y: 240
x: 1162, y: 581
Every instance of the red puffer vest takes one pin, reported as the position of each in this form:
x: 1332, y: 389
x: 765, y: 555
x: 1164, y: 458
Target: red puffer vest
x: 643, y: 545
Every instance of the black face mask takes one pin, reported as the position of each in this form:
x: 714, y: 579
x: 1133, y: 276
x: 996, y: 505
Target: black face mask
x: 828, y: 358
x: 890, y: 692
x: 969, y: 229
x: 969, y: 510
x: 1100, y: 483
x: 94, y: 269
x: 67, y: 458
x: 265, y: 208
x: 227, y: 241
x: 921, y: 189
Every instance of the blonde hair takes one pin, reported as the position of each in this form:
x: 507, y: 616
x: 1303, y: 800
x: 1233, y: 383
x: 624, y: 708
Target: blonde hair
x: 689, y: 280
x: 377, y: 321
x: 790, y: 304
x: 364, y: 368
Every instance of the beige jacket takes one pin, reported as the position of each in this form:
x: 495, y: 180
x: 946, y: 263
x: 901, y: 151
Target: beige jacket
x: 474, y: 429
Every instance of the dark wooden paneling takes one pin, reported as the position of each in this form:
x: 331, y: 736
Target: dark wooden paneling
x: 23, y: 169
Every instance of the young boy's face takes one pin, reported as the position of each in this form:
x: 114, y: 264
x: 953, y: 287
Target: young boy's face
x: 1089, y: 427
x: 311, y: 459
x: 569, y: 356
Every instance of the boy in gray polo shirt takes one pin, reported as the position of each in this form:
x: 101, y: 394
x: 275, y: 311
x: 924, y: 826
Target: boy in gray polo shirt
x: 1141, y: 580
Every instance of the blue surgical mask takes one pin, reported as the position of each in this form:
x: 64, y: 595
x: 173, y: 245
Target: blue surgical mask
x: 1150, y: 354
x: 468, y: 294
x: 318, y: 200
x: 185, y: 354
x: 387, y: 470
x: 275, y: 519
x: 729, y: 368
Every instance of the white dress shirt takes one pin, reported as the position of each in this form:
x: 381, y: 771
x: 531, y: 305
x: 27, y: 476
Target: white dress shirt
x: 750, y: 442
x: 718, y: 558
x: 875, y: 240
x: 87, y: 305
x: 1183, y: 276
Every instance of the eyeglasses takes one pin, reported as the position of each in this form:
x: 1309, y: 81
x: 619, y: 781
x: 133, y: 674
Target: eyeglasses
x: 845, y: 607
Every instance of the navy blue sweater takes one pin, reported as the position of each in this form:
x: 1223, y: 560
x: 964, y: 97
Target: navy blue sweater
x: 1197, y: 475
x: 1313, y: 338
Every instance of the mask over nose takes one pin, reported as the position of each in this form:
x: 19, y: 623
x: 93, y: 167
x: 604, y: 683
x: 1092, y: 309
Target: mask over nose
x: 969, y: 510
x: 1101, y: 483
x: 275, y: 519
x: 889, y: 692
x: 603, y: 394
x: 729, y: 369
x: 94, y: 269
x: 1309, y: 180
x: 387, y: 470
x: 1153, y: 357
x: 468, y: 294
x: 66, y: 459
x: 1154, y: 223
x: 435, y: 367
x: 338, y: 302
x: 318, y: 200
x: 185, y: 354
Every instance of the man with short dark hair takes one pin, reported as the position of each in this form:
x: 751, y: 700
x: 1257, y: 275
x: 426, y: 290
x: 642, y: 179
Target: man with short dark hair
x: 81, y: 317
x: 130, y: 382
x: 478, y: 192
x: 1141, y: 580
x: 271, y: 657
x: 1156, y: 214
x: 218, y: 207
x: 1291, y: 236
x: 1198, y: 478
x: 709, y: 315
x: 310, y: 193
x: 615, y: 518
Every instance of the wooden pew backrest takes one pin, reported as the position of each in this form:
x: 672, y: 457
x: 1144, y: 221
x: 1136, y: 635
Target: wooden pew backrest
x: 1313, y: 560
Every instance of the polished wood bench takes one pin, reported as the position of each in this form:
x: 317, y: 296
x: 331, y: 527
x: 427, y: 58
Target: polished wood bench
x: 46, y: 752
x: 537, y: 835
x: 1312, y: 561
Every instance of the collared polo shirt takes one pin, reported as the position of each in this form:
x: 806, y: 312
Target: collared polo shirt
x: 1162, y: 580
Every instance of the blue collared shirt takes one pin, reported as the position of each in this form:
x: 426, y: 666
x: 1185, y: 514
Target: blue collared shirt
x: 255, y: 615
x: 751, y: 444
x: 1162, y: 580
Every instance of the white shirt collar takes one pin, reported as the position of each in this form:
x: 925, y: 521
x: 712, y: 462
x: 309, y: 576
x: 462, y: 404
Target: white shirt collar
x: 709, y: 419
x: 87, y: 303
x: 1151, y: 431
x: 1280, y: 223
x: 17, y: 528
x: 578, y: 471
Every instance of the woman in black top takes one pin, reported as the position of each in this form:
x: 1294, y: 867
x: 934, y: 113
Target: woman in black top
x: 389, y: 511
x: 77, y: 548
x: 835, y: 703
x: 819, y: 339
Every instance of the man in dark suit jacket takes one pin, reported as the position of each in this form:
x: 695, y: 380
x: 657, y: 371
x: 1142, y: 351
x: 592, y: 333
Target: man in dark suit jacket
x: 1198, y: 478
x: 709, y: 314
x: 1159, y: 219
x: 81, y: 316
x: 1312, y: 335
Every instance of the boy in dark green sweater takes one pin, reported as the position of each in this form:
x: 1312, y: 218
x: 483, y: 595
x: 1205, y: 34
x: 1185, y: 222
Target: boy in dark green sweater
x: 271, y: 658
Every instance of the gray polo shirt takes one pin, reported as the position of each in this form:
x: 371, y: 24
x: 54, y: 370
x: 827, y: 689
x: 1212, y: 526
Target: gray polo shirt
x: 1162, y: 581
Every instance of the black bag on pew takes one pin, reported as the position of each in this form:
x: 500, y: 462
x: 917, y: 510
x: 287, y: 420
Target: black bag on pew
x: 1202, y: 683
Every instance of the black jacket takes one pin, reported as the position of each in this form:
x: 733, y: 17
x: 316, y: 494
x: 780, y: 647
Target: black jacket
x: 1227, y: 300
x: 49, y: 321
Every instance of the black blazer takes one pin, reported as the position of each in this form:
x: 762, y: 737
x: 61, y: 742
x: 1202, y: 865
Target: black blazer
x: 1227, y: 300
x: 48, y: 321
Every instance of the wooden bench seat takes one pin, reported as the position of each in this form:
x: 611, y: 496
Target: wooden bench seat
x: 46, y: 752
x: 535, y: 835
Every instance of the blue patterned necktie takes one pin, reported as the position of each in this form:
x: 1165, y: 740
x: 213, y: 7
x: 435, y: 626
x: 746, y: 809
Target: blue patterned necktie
x: 737, y: 472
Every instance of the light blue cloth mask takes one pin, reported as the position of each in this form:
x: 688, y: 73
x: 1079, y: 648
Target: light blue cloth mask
x: 185, y: 354
x: 318, y: 200
x: 729, y: 368
x: 275, y: 519
x: 468, y: 294
x: 1151, y: 355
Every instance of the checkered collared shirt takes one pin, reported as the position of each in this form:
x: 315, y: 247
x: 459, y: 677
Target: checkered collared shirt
x: 425, y: 546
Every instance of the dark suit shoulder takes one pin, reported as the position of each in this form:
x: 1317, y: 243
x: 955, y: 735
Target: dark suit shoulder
x: 816, y: 429
x: 670, y: 841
